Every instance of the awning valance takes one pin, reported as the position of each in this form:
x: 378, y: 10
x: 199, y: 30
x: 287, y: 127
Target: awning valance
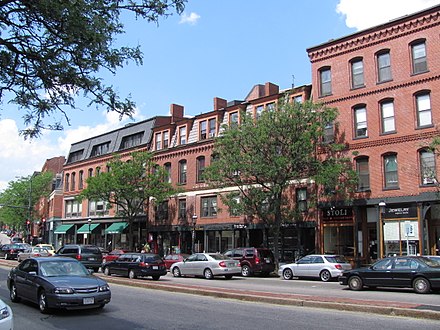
x: 86, y: 229
x: 116, y: 228
x: 62, y: 229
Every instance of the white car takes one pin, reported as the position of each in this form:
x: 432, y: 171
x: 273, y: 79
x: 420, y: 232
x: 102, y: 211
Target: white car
x: 323, y: 266
x: 207, y: 265
x: 6, y: 317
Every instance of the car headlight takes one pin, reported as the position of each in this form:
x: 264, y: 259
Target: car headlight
x: 104, y: 288
x: 4, y: 313
x: 63, y: 290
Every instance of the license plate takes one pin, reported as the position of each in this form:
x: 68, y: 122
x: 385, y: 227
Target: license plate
x: 88, y: 301
x: 155, y: 267
x: 92, y: 258
x: 267, y: 261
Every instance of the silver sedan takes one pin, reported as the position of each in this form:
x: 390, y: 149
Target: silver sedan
x: 207, y: 265
x: 33, y: 252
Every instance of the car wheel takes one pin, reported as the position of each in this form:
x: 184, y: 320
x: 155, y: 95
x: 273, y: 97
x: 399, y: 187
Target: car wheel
x: 287, y: 274
x: 176, y: 272
x: 13, y: 293
x: 325, y: 275
x: 208, y: 274
x: 246, y: 271
x: 107, y: 271
x: 228, y: 277
x: 156, y: 277
x: 421, y: 285
x: 42, y: 302
x: 355, y: 283
x: 131, y: 274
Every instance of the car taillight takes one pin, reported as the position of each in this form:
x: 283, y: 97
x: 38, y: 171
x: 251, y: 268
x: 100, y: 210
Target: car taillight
x: 143, y: 264
x: 37, y: 255
x: 78, y: 257
x: 257, y: 260
x: 222, y: 264
x: 338, y: 266
x: 12, y: 251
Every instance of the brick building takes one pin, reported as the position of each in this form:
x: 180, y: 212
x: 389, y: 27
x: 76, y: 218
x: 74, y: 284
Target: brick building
x: 385, y: 81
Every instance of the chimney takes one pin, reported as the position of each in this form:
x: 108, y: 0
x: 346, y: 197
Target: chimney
x: 176, y: 112
x: 219, y: 103
x: 271, y: 89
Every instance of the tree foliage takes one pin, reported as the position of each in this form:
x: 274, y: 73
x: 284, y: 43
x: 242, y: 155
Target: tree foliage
x: 130, y: 186
x: 20, y: 197
x: 265, y: 158
x: 53, y: 50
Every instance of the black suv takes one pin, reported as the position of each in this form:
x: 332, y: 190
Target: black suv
x: 253, y: 260
x: 136, y: 264
x: 89, y: 255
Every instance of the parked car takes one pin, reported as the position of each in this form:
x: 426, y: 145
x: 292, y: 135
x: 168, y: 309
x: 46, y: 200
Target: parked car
x: 57, y: 283
x: 322, y: 266
x: 33, y: 252
x: 417, y: 272
x: 173, y: 258
x: 16, y: 239
x: 10, y: 251
x: 6, y: 316
x: 48, y: 247
x: 207, y: 265
x: 136, y: 265
x: 253, y: 260
x: 113, y: 255
x: 89, y: 255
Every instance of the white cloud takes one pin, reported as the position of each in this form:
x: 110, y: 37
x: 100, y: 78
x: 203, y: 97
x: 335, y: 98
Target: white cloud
x: 191, y: 19
x: 21, y: 157
x: 361, y: 14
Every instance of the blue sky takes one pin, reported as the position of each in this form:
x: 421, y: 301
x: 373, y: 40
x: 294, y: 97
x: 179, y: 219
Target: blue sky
x: 217, y: 48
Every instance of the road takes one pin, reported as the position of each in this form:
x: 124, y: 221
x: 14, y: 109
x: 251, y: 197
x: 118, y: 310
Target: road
x: 136, y: 308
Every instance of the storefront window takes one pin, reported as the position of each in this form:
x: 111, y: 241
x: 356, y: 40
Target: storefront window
x: 339, y: 240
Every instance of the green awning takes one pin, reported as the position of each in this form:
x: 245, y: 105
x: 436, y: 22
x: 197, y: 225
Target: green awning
x: 62, y: 229
x: 116, y: 228
x: 86, y: 229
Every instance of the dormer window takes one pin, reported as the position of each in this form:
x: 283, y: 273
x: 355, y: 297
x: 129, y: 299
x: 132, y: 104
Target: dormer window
x: 131, y: 141
x: 100, y: 149
x: 182, y: 135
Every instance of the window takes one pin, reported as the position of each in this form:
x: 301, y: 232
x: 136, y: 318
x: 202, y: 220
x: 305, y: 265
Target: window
x: 390, y: 171
x: 298, y: 99
x: 418, y: 52
x: 360, y: 122
x: 182, y: 209
x: 72, y: 208
x: 100, y: 149
x: 258, y: 110
x: 73, y: 181
x: 357, y: 73
x: 301, y: 199
x: 67, y: 182
x: 209, y: 206
x: 131, y: 140
x: 424, y: 117
x: 212, y: 127
x: 90, y: 172
x: 325, y: 81
x: 81, y: 180
x: 329, y: 133
x: 363, y: 172
x: 161, y: 211
x: 97, y: 208
x: 203, y: 130
x: 271, y: 106
x: 234, y: 208
x: 427, y: 167
x: 75, y: 156
x: 158, y: 138
x: 200, y: 168
x: 233, y: 119
x: 182, y: 172
x: 166, y: 139
x: 384, y: 66
x: 387, y: 115
x: 182, y: 135
x: 167, y: 168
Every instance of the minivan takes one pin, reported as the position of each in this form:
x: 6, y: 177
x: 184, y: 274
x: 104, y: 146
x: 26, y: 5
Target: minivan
x: 253, y: 260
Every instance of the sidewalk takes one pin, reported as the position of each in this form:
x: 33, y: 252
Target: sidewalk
x: 355, y: 305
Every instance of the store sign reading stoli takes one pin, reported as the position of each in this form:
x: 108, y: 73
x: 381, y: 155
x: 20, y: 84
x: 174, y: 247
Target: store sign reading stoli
x: 337, y: 213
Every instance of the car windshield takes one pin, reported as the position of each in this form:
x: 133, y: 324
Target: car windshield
x: 62, y: 268
x: 337, y: 259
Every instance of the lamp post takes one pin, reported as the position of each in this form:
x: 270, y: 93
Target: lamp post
x: 382, y: 206
x: 89, y: 221
x: 193, y: 234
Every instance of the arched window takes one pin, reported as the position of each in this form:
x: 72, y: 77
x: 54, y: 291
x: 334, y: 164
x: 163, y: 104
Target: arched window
x: 182, y: 171
x: 363, y: 172
x: 325, y: 81
x: 428, y: 173
x: 391, y: 179
x: 418, y: 56
x: 357, y: 72
x: 200, y: 168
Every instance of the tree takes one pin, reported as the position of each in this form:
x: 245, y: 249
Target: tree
x: 265, y: 158
x: 130, y: 186
x: 20, y: 197
x: 52, y: 50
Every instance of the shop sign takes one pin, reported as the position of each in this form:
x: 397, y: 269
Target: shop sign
x: 240, y: 226
x: 398, y: 212
x: 337, y: 213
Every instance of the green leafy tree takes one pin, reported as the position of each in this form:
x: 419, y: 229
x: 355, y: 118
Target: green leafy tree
x: 130, y: 186
x: 265, y: 158
x: 20, y: 197
x: 53, y: 50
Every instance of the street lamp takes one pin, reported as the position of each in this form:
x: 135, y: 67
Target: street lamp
x: 382, y: 206
x: 89, y: 221
x: 193, y: 239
